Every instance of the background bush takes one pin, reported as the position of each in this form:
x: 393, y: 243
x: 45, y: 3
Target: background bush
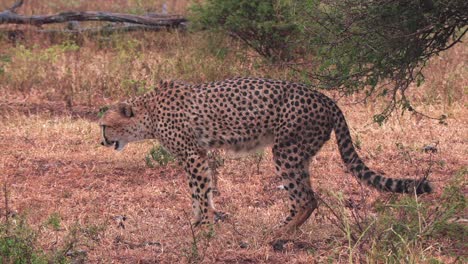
x: 378, y: 47
x: 266, y: 26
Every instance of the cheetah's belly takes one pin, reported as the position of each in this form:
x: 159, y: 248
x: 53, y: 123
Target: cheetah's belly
x: 237, y: 142
x: 251, y: 145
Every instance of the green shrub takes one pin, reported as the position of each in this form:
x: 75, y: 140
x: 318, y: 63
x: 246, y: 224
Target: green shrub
x: 266, y: 26
x: 405, y: 228
x: 376, y: 47
x: 54, y: 221
x: 4, y: 59
x: 19, y: 241
x: 17, y: 244
x: 160, y: 155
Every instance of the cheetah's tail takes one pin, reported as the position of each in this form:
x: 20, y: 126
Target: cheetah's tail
x: 361, y: 171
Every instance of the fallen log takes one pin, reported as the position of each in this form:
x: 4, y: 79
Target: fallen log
x: 10, y: 16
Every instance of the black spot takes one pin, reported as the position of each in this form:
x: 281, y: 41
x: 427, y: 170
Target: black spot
x: 426, y: 187
x: 346, y: 143
x: 389, y: 184
x: 367, y: 175
x: 399, y: 187
x: 376, y: 181
x: 359, y: 168
x: 348, y: 152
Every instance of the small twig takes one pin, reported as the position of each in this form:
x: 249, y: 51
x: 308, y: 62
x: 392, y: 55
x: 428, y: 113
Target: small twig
x: 192, y: 230
x: 15, y: 6
x: 132, y: 245
x: 340, y: 225
x: 357, y: 218
x: 233, y: 224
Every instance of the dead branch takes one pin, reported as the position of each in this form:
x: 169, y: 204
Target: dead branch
x: 15, y: 6
x: 10, y: 16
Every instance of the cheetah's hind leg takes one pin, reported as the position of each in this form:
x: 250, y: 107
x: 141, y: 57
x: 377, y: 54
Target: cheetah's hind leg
x: 302, y: 204
x: 302, y: 201
x: 292, y: 166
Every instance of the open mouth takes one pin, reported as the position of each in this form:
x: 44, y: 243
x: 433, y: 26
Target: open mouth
x: 116, y: 144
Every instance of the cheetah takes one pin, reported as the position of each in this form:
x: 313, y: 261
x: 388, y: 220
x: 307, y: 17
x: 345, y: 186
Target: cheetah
x: 242, y: 114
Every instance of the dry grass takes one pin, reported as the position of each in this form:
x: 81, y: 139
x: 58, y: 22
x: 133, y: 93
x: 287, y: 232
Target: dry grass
x: 53, y: 166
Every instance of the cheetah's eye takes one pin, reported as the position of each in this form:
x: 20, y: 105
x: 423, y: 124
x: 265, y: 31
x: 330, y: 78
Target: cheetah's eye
x: 126, y: 109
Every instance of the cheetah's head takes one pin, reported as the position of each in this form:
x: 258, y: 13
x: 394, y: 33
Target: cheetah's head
x: 121, y: 124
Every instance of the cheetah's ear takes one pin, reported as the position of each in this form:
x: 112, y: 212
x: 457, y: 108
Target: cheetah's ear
x: 126, y: 109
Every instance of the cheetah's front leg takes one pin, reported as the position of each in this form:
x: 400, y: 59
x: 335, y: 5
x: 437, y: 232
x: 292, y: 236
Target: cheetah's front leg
x: 201, y: 185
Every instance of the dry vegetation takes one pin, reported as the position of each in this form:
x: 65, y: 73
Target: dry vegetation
x: 70, y: 193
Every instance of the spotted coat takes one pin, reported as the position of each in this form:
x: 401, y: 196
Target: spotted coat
x: 243, y: 114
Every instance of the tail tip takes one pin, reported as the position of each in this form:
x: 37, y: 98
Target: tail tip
x: 423, y: 186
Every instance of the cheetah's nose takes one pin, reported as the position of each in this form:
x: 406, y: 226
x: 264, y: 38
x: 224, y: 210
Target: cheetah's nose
x: 102, y: 143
